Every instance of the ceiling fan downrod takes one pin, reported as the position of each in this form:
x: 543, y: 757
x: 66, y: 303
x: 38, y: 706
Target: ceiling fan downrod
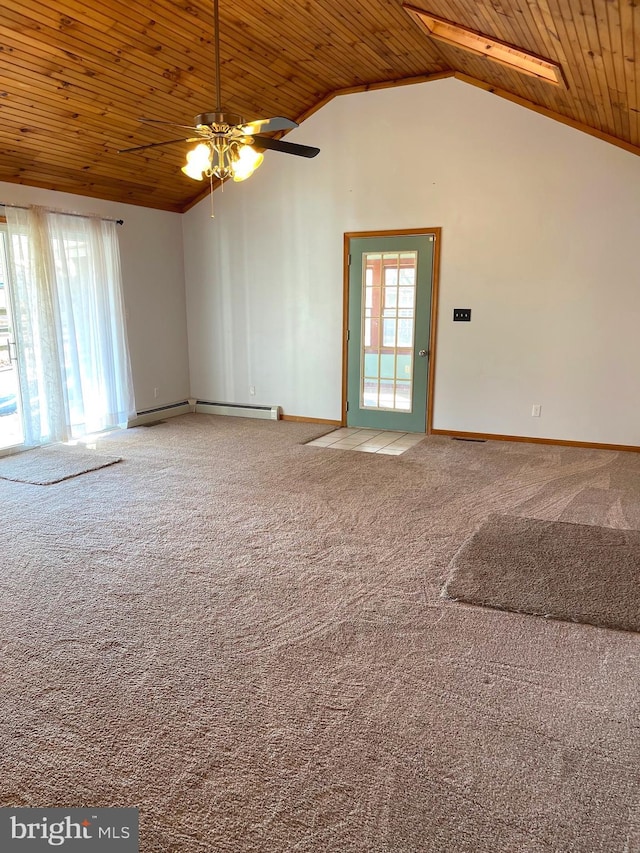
x: 218, y: 120
x: 216, y: 48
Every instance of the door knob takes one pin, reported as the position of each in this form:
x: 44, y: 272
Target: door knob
x: 423, y: 353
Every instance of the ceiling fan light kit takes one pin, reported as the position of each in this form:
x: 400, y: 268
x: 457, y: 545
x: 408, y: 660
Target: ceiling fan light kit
x: 222, y: 159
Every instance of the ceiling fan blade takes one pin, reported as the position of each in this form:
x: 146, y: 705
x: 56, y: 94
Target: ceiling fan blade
x: 169, y: 123
x: 269, y: 125
x: 285, y: 147
x: 158, y: 144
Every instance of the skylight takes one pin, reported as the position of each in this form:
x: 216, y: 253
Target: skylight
x: 498, y: 51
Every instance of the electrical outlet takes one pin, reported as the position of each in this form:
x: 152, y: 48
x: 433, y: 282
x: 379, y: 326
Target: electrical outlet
x: 252, y: 390
x: 535, y: 410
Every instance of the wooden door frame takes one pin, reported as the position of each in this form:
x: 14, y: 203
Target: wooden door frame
x: 431, y: 374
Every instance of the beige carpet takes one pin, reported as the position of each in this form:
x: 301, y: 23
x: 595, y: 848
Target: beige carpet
x: 44, y: 466
x: 244, y: 637
x: 578, y: 572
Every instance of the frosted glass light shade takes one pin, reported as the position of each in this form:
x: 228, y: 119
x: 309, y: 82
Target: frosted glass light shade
x: 198, y: 162
x: 246, y: 164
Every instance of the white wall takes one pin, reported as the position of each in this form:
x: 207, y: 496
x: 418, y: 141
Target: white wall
x: 153, y: 280
x: 540, y: 231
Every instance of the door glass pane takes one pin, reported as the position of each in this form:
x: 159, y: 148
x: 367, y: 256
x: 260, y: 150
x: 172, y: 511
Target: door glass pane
x: 403, y: 396
x: 388, y: 329
x: 389, y: 334
x: 387, y: 365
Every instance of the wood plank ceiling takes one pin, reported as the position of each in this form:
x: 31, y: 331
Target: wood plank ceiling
x: 75, y: 77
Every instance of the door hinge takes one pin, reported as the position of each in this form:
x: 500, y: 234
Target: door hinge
x: 349, y: 260
x: 347, y: 409
x: 348, y: 334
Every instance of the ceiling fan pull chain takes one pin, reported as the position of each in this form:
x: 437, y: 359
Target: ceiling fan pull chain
x: 213, y: 216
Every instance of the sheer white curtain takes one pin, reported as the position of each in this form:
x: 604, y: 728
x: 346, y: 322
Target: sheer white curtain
x: 73, y: 358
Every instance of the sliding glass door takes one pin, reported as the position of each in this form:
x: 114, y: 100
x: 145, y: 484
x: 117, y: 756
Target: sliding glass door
x: 67, y: 343
x: 11, y: 422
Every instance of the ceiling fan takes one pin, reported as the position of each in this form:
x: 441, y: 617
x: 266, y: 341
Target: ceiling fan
x: 228, y: 147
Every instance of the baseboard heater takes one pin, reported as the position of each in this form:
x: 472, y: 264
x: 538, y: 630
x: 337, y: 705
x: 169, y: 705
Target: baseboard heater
x: 149, y: 415
x: 268, y: 413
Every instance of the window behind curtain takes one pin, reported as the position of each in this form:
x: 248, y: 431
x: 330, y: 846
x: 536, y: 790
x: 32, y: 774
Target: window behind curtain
x: 73, y: 356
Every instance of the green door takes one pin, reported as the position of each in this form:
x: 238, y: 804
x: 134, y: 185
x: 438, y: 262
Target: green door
x: 390, y: 281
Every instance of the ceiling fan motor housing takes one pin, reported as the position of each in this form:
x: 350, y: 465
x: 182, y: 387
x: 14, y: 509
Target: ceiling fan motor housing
x: 219, y: 118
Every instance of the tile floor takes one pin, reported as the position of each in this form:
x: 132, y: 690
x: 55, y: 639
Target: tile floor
x: 368, y: 440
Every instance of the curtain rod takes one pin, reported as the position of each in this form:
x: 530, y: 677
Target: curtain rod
x: 65, y: 213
